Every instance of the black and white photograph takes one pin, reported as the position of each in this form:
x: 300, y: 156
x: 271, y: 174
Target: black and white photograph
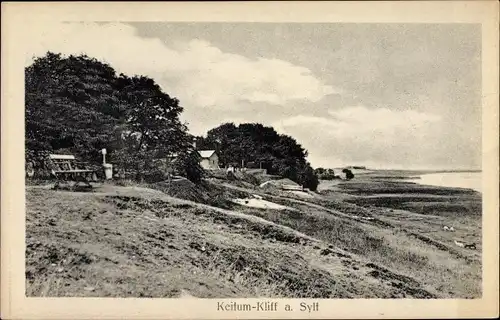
x: 268, y: 160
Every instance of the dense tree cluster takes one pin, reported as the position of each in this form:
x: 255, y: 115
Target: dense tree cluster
x: 325, y: 174
x: 330, y: 174
x: 255, y: 145
x: 78, y: 104
x: 348, y: 174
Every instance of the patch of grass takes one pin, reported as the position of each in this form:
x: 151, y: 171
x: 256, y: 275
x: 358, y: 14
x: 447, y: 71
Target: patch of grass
x: 244, y: 268
x: 371, y: 187
x: 451, y: 209
x: 391, y: 248
x: 123, y: 254
x: 147, y: 246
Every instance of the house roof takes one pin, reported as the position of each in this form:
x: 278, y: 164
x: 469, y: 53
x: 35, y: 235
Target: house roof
x: 206, y: 153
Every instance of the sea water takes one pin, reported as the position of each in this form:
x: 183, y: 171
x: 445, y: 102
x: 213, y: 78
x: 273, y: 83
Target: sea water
x: 470, y: 180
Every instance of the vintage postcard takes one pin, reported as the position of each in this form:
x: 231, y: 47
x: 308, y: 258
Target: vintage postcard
x: 250, y: 160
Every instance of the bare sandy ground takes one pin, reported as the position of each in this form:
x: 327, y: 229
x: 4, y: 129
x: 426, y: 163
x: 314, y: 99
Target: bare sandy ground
x: 260, y: 204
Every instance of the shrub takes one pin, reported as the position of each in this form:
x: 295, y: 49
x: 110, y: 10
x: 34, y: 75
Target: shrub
x: 348, y: 174
x: 187, y: 165
x: 307, y: 178
x: 37, y: 163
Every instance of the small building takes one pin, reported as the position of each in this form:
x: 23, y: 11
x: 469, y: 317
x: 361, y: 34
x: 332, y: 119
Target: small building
x: 209, y: 159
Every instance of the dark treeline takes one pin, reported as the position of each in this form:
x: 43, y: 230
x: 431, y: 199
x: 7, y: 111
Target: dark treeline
x: 326, y: 174
x: 258, y: 146
x: 80, y: 105
x: 330, y: 174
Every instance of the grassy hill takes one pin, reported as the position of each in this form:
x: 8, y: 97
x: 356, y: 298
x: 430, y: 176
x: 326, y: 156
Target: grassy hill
x: 365, y: 238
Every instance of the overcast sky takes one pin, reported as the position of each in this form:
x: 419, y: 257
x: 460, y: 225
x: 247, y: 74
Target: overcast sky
x: 380, y: 95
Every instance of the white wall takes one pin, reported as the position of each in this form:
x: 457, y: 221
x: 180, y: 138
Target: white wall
x: 205, y: 164
x: 210, y: 163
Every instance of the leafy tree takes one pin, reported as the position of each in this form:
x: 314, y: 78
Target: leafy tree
x: 308, y: 178
x: 70, y: 103
x: 226, y: 138
x: 255, y: 143
x: 187, y: 165
x: 79, y: 104
x: 319, y: 170
x: 152, y: 127
x: 348, y: 174
x: 203, y: 143
x: 325, y: 174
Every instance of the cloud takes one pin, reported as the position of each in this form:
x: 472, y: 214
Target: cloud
x: 196, y: 72
x: 359, y: 135
x: 359, y: 122
x: 215, y: 85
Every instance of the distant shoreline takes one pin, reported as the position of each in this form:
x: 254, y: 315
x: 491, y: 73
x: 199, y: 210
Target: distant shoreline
x: 450, y: 171
x: 437, y: 178
x: 423, y: 171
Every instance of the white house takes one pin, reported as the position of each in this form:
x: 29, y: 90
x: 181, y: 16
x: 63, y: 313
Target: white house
x: 209, y: 159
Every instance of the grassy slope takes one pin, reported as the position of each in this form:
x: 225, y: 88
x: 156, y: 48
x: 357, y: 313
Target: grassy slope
x: 129, y: 241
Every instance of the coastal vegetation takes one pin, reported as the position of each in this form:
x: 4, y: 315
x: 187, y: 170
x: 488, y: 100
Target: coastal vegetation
x: 345, y: 241
x: 80, y: 105
x: 367, y: 234
x: 255, y: 145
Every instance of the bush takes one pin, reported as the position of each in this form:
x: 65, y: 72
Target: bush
x: 348, y: 174
x: 327, y: 176
x: 308, y: 179
x: 187, y: 165
x: 37, y: 164
x: 155, y: 175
